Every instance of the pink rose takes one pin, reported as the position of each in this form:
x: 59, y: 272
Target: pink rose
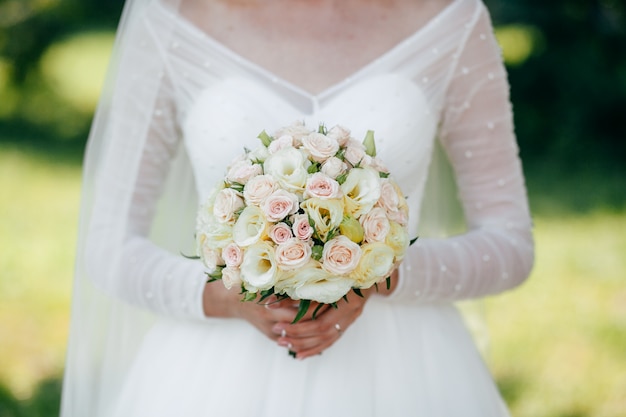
x: 340, y: 134
x: 297, y: 131
x: 231, y: 277
x: 340, y: 255
x: 319, y: 146
x: 301, y: 227
x: 279, y: 205
x: 375, y: 225
x: 355, y: 153
x: 321, y: 186
x: 232, y: 255
x: 258, y: 189
x: 242, y: 171
x: 227, y: 202
x: 280, y: 233
x: 292, y: 254
x: 334, y: 167
x: 282, y: 142
x: 393, y: 202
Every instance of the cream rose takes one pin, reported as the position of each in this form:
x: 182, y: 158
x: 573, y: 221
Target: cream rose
x: 393, y: 201
x: 320, y: 185
x: 282, y: 142
x: 340, y: 255
x: 289, y: 167
x: 375, y: 225
x: 377, y: 262
x: 232, y: 255
x: 210, y: 258
x: 213, y: 233
x: 340, y: 134
x: 312, y: 282
x: 292, y: 254
x: 398, y: 240
x: 334, y: 167
x: 227, y: 202
x: 258, y: 269
x: 296, y: 130
x: 251, y: 226
x: 280, y: 233
x: 258, y: 189
x: 242, y: 171
x: 279, y: 205
x: 325, y: 214
x: 231, y: 277
x: 355, y: 152
x: 361, y: 191
x: 301, y: 227
x: 319, y: 146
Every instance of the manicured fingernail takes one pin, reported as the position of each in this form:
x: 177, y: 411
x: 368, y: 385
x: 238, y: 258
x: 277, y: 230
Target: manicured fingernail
x: 283, y: 333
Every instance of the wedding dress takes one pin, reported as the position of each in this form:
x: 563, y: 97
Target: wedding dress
x: 140, y: 344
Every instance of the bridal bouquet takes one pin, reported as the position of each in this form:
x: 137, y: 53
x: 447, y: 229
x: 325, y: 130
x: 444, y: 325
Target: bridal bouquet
x: 309, y: 215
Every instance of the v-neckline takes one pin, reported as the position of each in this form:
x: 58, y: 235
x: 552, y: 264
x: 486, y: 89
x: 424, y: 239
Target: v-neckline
x: 273, y: 78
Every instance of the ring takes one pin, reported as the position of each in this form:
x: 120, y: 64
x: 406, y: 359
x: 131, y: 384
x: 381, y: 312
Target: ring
x: 338, y: 327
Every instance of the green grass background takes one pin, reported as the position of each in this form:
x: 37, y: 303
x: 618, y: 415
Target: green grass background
x: 557, y: 345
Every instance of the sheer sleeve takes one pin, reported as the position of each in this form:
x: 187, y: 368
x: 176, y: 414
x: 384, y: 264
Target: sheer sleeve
x: 143, y: 139
x: 496, y: 253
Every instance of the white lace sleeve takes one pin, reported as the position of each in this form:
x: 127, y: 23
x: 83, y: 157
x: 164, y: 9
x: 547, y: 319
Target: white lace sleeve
x: 120, y: 257
x: 496, y: 253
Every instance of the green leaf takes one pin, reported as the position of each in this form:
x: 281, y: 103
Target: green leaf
x: 342, y: 178
x: 322, y: 129
x: 388, y: 281
x: 265, y: 138
x: 412, y: 241
x: 249, y: 296
x: 316, y: 252
x: 189, y: 256
x: 292, y: 354
x: 302, y: 309
x: 317, y: 309
x: 358, y: 292
x: 383, y: 174
x: 313, y: 168
x: 370, y: 145
x: 265, y: 294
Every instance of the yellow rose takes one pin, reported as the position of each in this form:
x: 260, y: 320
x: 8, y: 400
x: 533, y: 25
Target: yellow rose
x: 375, y: 265
x: 361, y: 190
x: 326, y: 215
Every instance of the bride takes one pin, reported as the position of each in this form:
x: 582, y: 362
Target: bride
x: 192, y: 82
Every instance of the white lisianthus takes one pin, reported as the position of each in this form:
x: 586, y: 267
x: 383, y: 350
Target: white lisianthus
x: 312, y: 282
x: 320, y: 146
x: 334, y: 167
x: 398, y: 240
x: 251, y: 226
x: 289, y: 167
x: 292, y: 254
x: 325, y: 214
x: 279, y: 205
x: 375, y: 265
x: 321, y: 185
x: 375, y: 225
x: 231, y: 277
x: 340, y: 255
x: 258, y: 269
x: 227, y: 202
x: 242, y: 171
x: 361, y: 191
x: 258, y: 189
x: 340, y: 134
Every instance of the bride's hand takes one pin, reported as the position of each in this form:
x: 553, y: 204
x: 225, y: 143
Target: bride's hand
x: 310, y: 337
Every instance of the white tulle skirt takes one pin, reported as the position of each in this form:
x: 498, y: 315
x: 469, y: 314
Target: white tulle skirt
x: 396, y: 360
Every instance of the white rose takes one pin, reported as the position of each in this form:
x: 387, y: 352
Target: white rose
x: 334, y: 167
x: 377, y: 262
x: 231, y: 277
x: 340, y: 255
x: 258, y: 269
x: 227, y: 202
x: 375, y: 225
x: 340, y: 134
x: 259, y: 154
x: 398, y: 240
x: 292, y: 254
x: 251, y: 226
x: 210, y: 258
x: 312, y: 282
x: 232, y: 255
x: 301, y: 227
x: 258, y: 189
x: 320, y: 185
x: 280, y: 233
x: 361, y: 190
x: 319, y: 146
x: 282, y: 142
x: 279, y: 205
x: 241, y: 172
x: 289, y: 167
x: 211, y: 232
x: 325, y: 214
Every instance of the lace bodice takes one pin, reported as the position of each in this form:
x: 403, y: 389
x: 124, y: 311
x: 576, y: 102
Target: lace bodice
x: 445, y: 82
